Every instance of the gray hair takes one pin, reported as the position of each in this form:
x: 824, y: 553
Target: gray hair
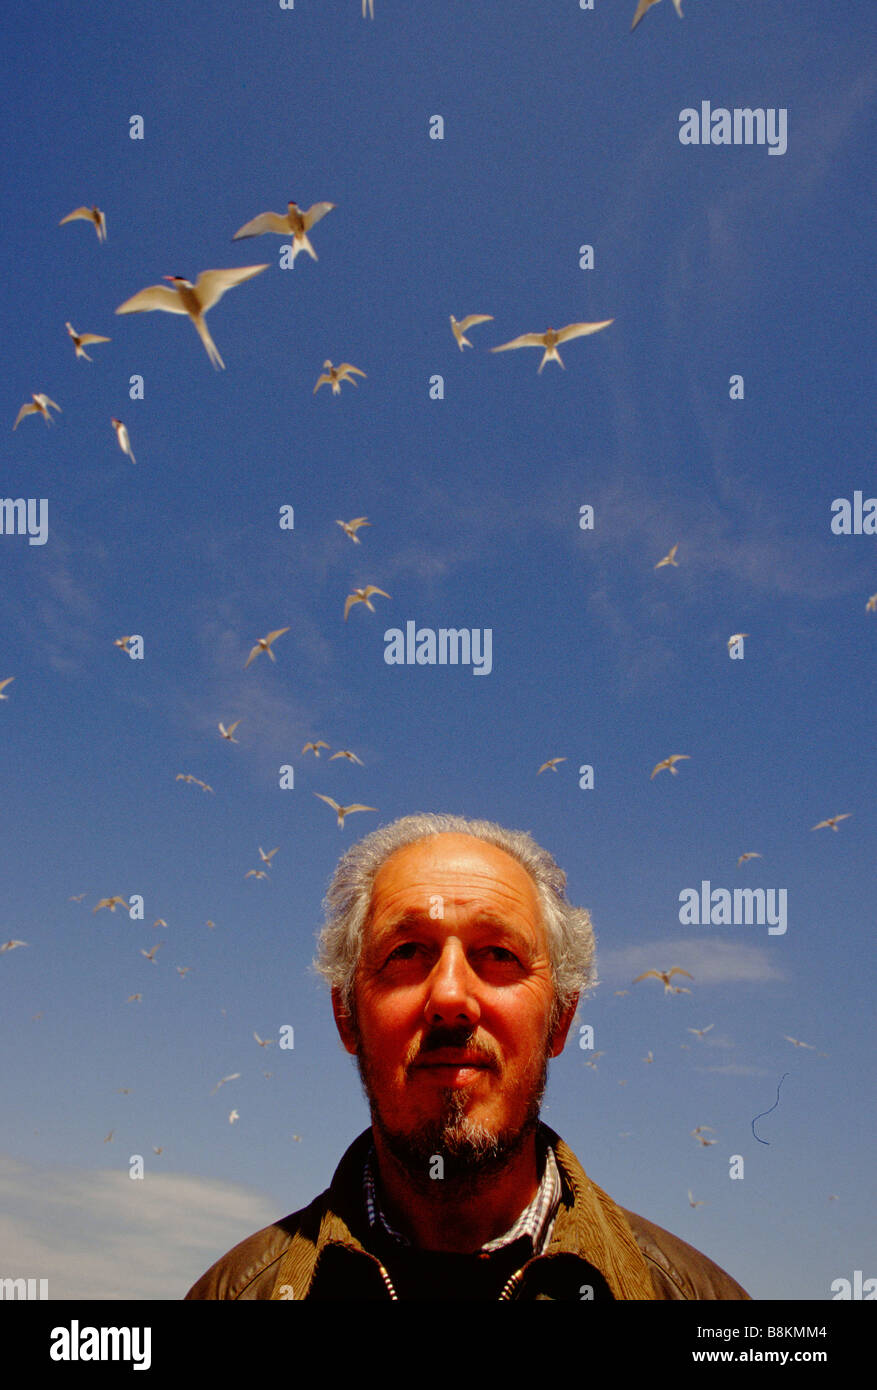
x: 348, y: 900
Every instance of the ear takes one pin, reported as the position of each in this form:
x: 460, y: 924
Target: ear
x: 344, y: 1022
x: 557, y: 1041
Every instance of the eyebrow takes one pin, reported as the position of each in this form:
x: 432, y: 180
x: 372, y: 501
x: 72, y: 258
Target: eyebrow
x: 415, y: 918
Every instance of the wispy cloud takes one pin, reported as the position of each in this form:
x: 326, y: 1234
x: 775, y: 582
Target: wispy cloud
x: 709, y: 962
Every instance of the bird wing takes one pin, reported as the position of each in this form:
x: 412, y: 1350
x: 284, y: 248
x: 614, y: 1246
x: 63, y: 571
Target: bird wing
x: 27, y: 409
x: 253, y: 654
x: 525, y: 340
x: 211, y: 285
x: 471, y: 319
x: 356, y: 807
x: 640, y: 11
x: 93, y: 338
x: 350, y: 601
x: 314, y: 213
x: 278, y: 632
x: 346, y: 368
x: 45, y: 400
x: 372, y: 589
x: 265, y: 222
x: 328, y: 800
x: 677, y: 970
x: 359, y: 520
x: 657, y: 974
x: 233, y: 726
x: 154, y: 297
x: 324, y: 380
x: 77, y: 212
x: 581, y: 330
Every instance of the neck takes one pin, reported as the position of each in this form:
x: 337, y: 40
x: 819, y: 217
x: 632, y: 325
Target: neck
x: 458, y: 1213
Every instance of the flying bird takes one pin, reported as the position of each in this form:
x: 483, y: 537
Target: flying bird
x: 159, y: 1150
x: 592, y: 1061
x: 315, y: 747
x: 11, y: 945
x: 264, y: 645
x: 668, y: 763
x: 266, y: 858
x: 798, y: 1043
x: 650, y: 1056
x: 124, y: 441
x: 363, y: 596
x: 110, y: 903
x: 698, y: 1134
x: 159, y: 922
x: 93, y: 215
x: 41, y: 403
x: 227, y: 732
x: 80, y: 340
x: 109, y: 1136
x: 134, y: 999
x: 194, y: 300
x: 263, y: 1042
x: 233, y: 1115
x: 122, y: 642
x: 233, y: 1077
x: 343, y: 810
x: 552, y: 763
x: 700, y: 1032
x: 294, y: 220
x: 550, y: 339
x: 750, y: 854
x: 647, y: 5
x: 187, y: 777
x: 333, y: 376
x: 871, y: 605
x: 832, y: 821
x: 346, y: 753
x: 669, y: 558
x: 182, y: 970
x: 76, y: 897
x: 736, y: 637
x: 255, y: 873
x: 691, y: 1201
x: 350, y: 528
x: 666, y: 976
x: 459, y: 329
x: 150, y: 954
x: 3, y: 685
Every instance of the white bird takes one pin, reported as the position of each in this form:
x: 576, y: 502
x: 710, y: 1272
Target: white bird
x: 3, y: 684
x: 109, y: 1136
x: 700, y: 1032
x: 233, y: 1115
x: 11, y: 945
x: 736, y: 637
x: 150, y: 954
x: 350, y: 528
x: 669, y: 558
x: 692, y: 1202
x: 40, y: 406
x: 187, y: 777
x: 333, y: 376
x: 315, y: 747
x: 263, y: 1042
x: 264, y: 645
x: 592, y: 1061
x: 233, y: 1077
x: 343, y: 810
x: 80, y: 339
x: 182, y: 970
x: 255, y: 873
x: 798, y: 1043
x: 110, y: 903
x: 363, y: 596
x: 227, y: 732
x: 93, y: 215
x: 194, y: 300
x: 647, y: 5
x: 650, y: 1056
x: 668, y: 763
x: 159, y: 1150
x: 122, y: 436
x: 750, y: 854
x: 294, y: 220
x: 871, y: 605
x: 134, y: 999
x: 666, y: 976
x: 704, y: 1143
x: 266, y: 858
x: 459, y: 329
x: 552, y: 763
x: 346, y: 753
x: 832, y: 821
x: 551, y: 337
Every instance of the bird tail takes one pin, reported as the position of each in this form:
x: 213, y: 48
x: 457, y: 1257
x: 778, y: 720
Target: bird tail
x: 204, y: 335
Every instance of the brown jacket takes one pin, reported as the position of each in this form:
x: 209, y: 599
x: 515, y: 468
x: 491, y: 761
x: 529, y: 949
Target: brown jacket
x: 324, y: 1251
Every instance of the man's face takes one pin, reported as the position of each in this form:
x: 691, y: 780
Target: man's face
x: 453, y: 1001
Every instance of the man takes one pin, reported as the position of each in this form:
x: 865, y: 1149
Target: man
x: 455, y: 964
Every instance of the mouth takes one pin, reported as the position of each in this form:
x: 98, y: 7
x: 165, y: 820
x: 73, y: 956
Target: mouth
x: 448, y: 1064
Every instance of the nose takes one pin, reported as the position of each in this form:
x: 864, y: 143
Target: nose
x: 451, y: 992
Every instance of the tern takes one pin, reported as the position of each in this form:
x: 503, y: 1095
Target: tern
x: 227, y: 732
x: 266, y: 858
x: 670, y: 559
x: 700, y: 1032
x: 255, y: 873
x: 550, y: 339
x: 346, y: 753
x: 110, y: 903
x: 552, y: 763
x: 871, y: 605
x: 343, y: 810
x: 350, y: 528
x: 363, y: 596
x: 691, y: 1201
x: 832, y: 821
x: 3, y: 684
x: 336, y: 375
x: 666, y: 976
x: 647, y: 5
x: 76, y: 897
x: 736, y: 637
x: 187, y: 777
x: 41, y: 403
x: 11, y: 945
x: 122, y: 436
x: 264, y: 645
x: 233, y: 1115
x: 233, y: 1077
x: 668, y: 763
x: 134, y: 999
x: 150, y: 954
x: 750, y: 854
x: 93, y: 215
x: 80, y: 339
x: 194, y: 300
x: 263, y: 1042
x: 294, y: 220
x: 798, y: 1043
x: 315, y: 747
x: 459, y: 329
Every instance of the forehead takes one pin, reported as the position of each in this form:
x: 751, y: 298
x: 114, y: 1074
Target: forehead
x: 468, y: 873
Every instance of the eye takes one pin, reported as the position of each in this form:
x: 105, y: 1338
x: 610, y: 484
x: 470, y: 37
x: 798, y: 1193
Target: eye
x: 404, y: 952
x: 501, y: 955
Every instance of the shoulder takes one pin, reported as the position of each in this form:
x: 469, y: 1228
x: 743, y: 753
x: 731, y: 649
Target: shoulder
x: 249, y: 1269
x: 678, y: 1270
